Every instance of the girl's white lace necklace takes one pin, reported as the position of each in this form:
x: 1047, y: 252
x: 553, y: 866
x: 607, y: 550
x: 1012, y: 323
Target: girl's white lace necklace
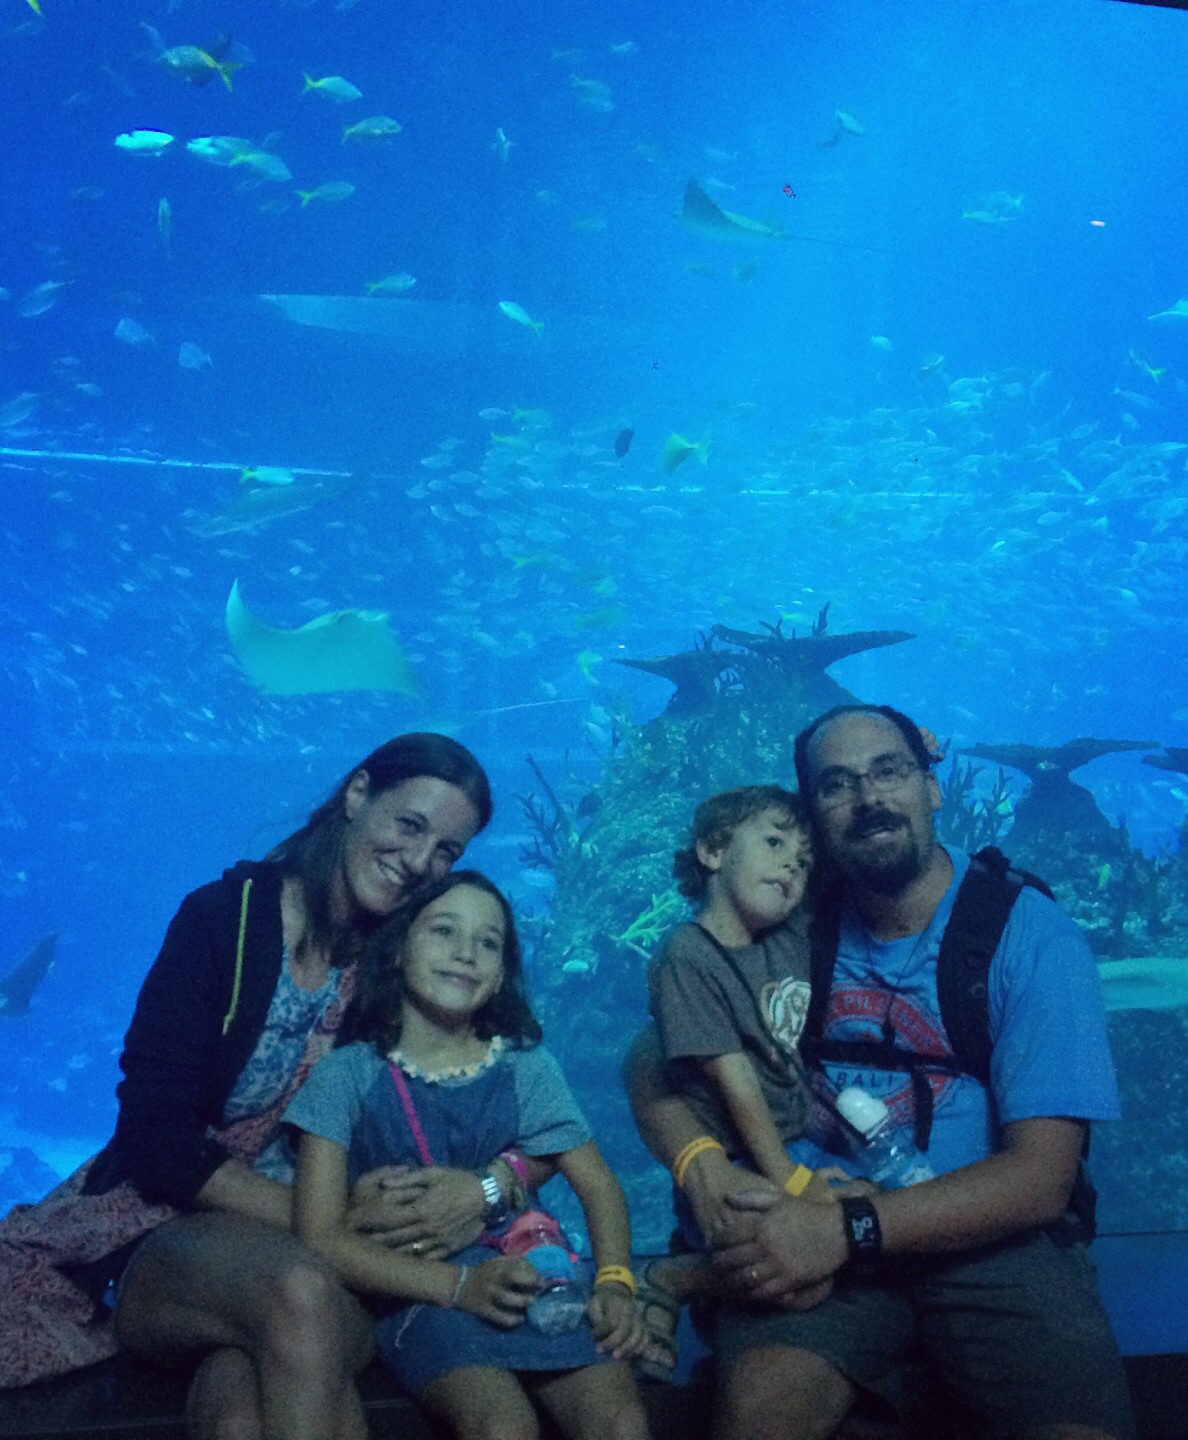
x: 449, y: 1072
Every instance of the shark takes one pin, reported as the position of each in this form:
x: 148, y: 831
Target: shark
x: 17, y: 987
x: 1156, y: 982
x: 344, y: 650
x: 262, y: 504
x: 1179, y: 311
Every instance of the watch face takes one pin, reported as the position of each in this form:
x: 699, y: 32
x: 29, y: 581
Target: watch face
x: 493, y: 1198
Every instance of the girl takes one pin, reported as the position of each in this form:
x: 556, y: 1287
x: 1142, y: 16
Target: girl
x: 446, y: 1070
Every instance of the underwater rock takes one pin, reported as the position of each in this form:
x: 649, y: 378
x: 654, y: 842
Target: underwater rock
x: 764, y: 665
x: 1174, y: 758
x: 1056, y: 806
x: 694, y: 673
x: 1111, y: 889
x: 775, y: 660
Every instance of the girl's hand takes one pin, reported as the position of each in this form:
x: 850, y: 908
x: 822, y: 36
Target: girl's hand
x: 616, y: 1321
x: 500, y: 1291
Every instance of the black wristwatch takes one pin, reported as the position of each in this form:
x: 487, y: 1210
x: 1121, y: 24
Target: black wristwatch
x: 864, y: 1237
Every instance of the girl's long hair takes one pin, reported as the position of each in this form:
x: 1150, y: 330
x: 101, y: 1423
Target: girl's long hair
x: 314, y: 853
x: 376, y: 1012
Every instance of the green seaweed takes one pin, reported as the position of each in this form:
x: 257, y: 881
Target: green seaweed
x: 969, y: 818
x: 650, y: 926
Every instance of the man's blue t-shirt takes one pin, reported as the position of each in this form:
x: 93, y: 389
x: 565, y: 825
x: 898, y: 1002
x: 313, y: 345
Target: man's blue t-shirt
x: 1050, y: 1054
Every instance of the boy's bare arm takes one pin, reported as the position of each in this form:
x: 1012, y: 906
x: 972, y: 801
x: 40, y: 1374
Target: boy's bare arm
x: 742, y: 1094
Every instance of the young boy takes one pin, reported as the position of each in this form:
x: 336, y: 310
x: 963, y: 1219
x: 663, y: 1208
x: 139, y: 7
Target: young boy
x: 729, y: 994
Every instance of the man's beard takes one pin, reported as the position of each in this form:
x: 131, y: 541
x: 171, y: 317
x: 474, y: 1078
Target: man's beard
x: 893, y: 871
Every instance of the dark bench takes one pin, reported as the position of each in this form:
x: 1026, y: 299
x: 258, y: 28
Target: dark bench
x: 123, y: 1400
x: 1142, y: 1280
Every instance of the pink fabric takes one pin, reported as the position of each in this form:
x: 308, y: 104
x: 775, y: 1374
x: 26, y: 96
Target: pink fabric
x: 48, y: 1326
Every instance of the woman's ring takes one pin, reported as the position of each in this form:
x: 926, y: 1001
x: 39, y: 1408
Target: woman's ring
x: 416, y: 1247
x: 752, y: 1274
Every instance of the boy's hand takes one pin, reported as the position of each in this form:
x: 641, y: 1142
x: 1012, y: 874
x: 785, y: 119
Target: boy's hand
x: 710, y: 1180
x: 832, y: 1184
x: 500, y: 1291
x: 615, y: 1319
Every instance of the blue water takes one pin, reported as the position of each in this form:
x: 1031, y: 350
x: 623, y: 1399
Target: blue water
x: 980, y: 480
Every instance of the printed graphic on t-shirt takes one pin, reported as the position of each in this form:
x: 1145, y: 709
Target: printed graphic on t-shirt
x: 785, y: 1009
x: 859, y: 1012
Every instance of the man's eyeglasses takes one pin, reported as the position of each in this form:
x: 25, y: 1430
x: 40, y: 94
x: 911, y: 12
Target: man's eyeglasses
x: 842, y: 787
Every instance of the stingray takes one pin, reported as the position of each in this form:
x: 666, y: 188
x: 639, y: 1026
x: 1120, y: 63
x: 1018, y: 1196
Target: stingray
x: 701, y: 213
x: 1156, y: 982
x: 17, y: 987
x: 346, y: 650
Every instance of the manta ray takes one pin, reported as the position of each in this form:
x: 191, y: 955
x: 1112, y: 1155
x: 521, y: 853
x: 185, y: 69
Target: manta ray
x: 17, y: 987
x: 345, y: 650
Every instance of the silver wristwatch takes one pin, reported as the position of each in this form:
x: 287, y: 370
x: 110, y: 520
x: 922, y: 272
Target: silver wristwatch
x: 495, y: 1212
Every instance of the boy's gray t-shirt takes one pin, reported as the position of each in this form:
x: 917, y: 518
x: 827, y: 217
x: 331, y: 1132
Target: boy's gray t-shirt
x: 704, y: 1007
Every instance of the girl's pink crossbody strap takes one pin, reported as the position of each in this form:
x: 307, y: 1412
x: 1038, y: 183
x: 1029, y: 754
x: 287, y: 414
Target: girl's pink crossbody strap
x: 410, y: 1111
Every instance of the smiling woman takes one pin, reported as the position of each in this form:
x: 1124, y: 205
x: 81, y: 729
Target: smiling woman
x: 187, y: 1210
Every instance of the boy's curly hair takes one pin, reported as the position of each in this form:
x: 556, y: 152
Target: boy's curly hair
x: 715, y: 821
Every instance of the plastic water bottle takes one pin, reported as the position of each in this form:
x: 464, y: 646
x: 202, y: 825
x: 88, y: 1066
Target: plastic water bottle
x: 561, y: 1303
x: 889, y: 1156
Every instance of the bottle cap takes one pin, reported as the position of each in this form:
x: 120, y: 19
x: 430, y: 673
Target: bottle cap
x: 865, y: 1112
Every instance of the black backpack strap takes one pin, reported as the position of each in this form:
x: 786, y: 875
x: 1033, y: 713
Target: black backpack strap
x: 980, y: 913
x: 824, y: 932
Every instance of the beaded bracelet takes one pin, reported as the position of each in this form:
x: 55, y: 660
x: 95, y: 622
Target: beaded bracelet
x: 690, y: 1153
x: 618, y: 1274
x: 515, y: 1162
x: 797, y: 1182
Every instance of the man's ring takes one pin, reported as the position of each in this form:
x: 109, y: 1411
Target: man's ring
x: 752, y: 1275
x: 416, y: 1247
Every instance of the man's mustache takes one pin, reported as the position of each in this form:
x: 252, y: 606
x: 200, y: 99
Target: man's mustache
x: 866, y: 823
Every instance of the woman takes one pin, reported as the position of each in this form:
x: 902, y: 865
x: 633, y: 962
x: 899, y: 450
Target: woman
x: 188, y: 1207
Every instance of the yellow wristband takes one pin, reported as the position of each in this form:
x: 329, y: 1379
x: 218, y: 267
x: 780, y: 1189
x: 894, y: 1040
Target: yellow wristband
x: 797, y: 1182
x: 690, y: 1153
x: 617, y: 1274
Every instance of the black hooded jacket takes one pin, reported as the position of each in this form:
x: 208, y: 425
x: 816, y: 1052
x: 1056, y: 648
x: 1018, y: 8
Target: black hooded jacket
x: 199, y: 1015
